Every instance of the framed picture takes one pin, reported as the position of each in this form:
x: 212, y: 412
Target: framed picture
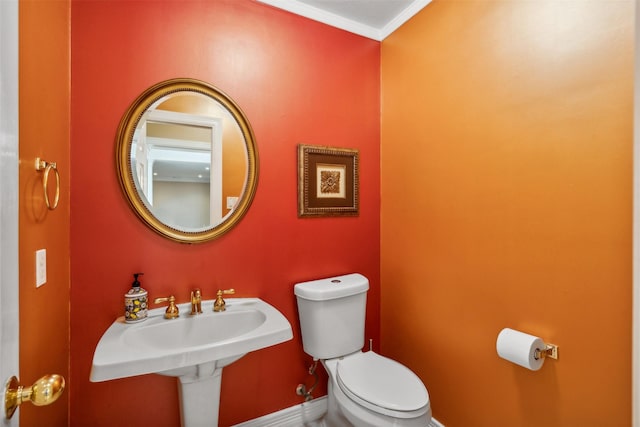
x: 327, y: 181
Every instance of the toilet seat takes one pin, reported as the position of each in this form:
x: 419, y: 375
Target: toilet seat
x: 382, y: 385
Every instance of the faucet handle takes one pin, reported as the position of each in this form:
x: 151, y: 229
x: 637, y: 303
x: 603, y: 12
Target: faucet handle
x: 172, y: 310
x: 219, y: 304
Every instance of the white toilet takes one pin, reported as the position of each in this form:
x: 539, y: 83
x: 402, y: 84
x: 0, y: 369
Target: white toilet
x: 365, y: 389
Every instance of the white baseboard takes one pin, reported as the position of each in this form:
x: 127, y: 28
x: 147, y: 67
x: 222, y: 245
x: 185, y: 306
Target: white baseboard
x: 299, y: 415
x: 295, y: 416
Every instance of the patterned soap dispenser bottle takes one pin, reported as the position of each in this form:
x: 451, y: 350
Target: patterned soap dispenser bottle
x: 135, y: 302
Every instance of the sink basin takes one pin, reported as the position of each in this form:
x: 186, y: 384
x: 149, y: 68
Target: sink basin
x: 197, y: 331
x: 158, y: 344
x: 192, y: 348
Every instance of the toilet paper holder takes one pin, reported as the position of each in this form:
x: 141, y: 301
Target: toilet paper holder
x: 550, y: 351
x: 528, y: 351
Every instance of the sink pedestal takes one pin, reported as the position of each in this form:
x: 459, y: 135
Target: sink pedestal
x: 199, y: 391
x: 194, y: 349
x: 200, y: 396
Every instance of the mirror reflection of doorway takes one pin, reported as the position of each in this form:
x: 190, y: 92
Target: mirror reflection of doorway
x: 178, y: 164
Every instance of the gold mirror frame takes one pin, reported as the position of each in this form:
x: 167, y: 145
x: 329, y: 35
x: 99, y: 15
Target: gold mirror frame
x: 124, y: 140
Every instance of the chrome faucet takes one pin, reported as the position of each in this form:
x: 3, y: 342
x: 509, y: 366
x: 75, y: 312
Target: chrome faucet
x: 196, y: 302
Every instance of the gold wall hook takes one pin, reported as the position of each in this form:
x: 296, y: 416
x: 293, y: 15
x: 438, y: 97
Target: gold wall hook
x: 43, y: 392
x: 47, y: 167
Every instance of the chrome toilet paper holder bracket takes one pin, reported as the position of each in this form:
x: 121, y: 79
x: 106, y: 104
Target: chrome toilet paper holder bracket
x: 550, y: 351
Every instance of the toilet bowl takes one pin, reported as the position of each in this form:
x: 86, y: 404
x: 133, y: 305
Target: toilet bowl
x: 370, y: 390
x: 365, y: 389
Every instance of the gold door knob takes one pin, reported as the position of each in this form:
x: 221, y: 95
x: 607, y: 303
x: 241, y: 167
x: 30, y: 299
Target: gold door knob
x: 43, y: 392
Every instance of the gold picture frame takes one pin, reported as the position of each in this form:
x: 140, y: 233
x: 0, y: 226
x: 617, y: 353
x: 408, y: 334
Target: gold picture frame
x: 328, y: 181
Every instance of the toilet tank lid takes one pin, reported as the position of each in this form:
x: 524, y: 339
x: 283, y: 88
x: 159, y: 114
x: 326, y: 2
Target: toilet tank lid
x: 332, y: 287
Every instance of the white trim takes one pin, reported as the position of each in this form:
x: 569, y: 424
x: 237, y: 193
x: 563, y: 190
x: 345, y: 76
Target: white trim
x: 294, y: 416
x: 403, y: 17
x: 347, y: 24
x: 325, y: 17
x: 635, y: 376
x: 300, y: 415
x: 9, y: 200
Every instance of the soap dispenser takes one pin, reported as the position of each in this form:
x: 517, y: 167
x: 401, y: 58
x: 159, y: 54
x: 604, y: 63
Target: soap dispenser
x: 135, y: 302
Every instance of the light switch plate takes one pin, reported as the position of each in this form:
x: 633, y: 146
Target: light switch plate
x: 41, y: 267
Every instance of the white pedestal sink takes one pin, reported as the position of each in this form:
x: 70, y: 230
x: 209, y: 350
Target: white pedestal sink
x: 192, y: 348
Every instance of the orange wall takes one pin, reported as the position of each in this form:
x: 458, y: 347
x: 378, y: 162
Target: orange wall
x: 44, y: 132
x: 507, y: 199
x: 297, y: 81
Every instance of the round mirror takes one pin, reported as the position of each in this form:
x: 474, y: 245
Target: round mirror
x: 187, y: 161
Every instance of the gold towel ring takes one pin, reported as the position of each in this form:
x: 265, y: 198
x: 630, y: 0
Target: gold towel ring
x: 48, y: 167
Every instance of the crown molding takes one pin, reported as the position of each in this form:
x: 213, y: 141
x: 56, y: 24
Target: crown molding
x: 346, y: 24
x: 403, y: 17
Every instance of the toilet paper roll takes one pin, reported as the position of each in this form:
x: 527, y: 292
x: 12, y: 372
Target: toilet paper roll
x: 520, y: 348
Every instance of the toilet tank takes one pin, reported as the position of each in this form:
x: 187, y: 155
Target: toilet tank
x: 332, y: 313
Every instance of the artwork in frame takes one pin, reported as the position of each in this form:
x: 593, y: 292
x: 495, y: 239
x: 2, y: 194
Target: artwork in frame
x: 327, y: 181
